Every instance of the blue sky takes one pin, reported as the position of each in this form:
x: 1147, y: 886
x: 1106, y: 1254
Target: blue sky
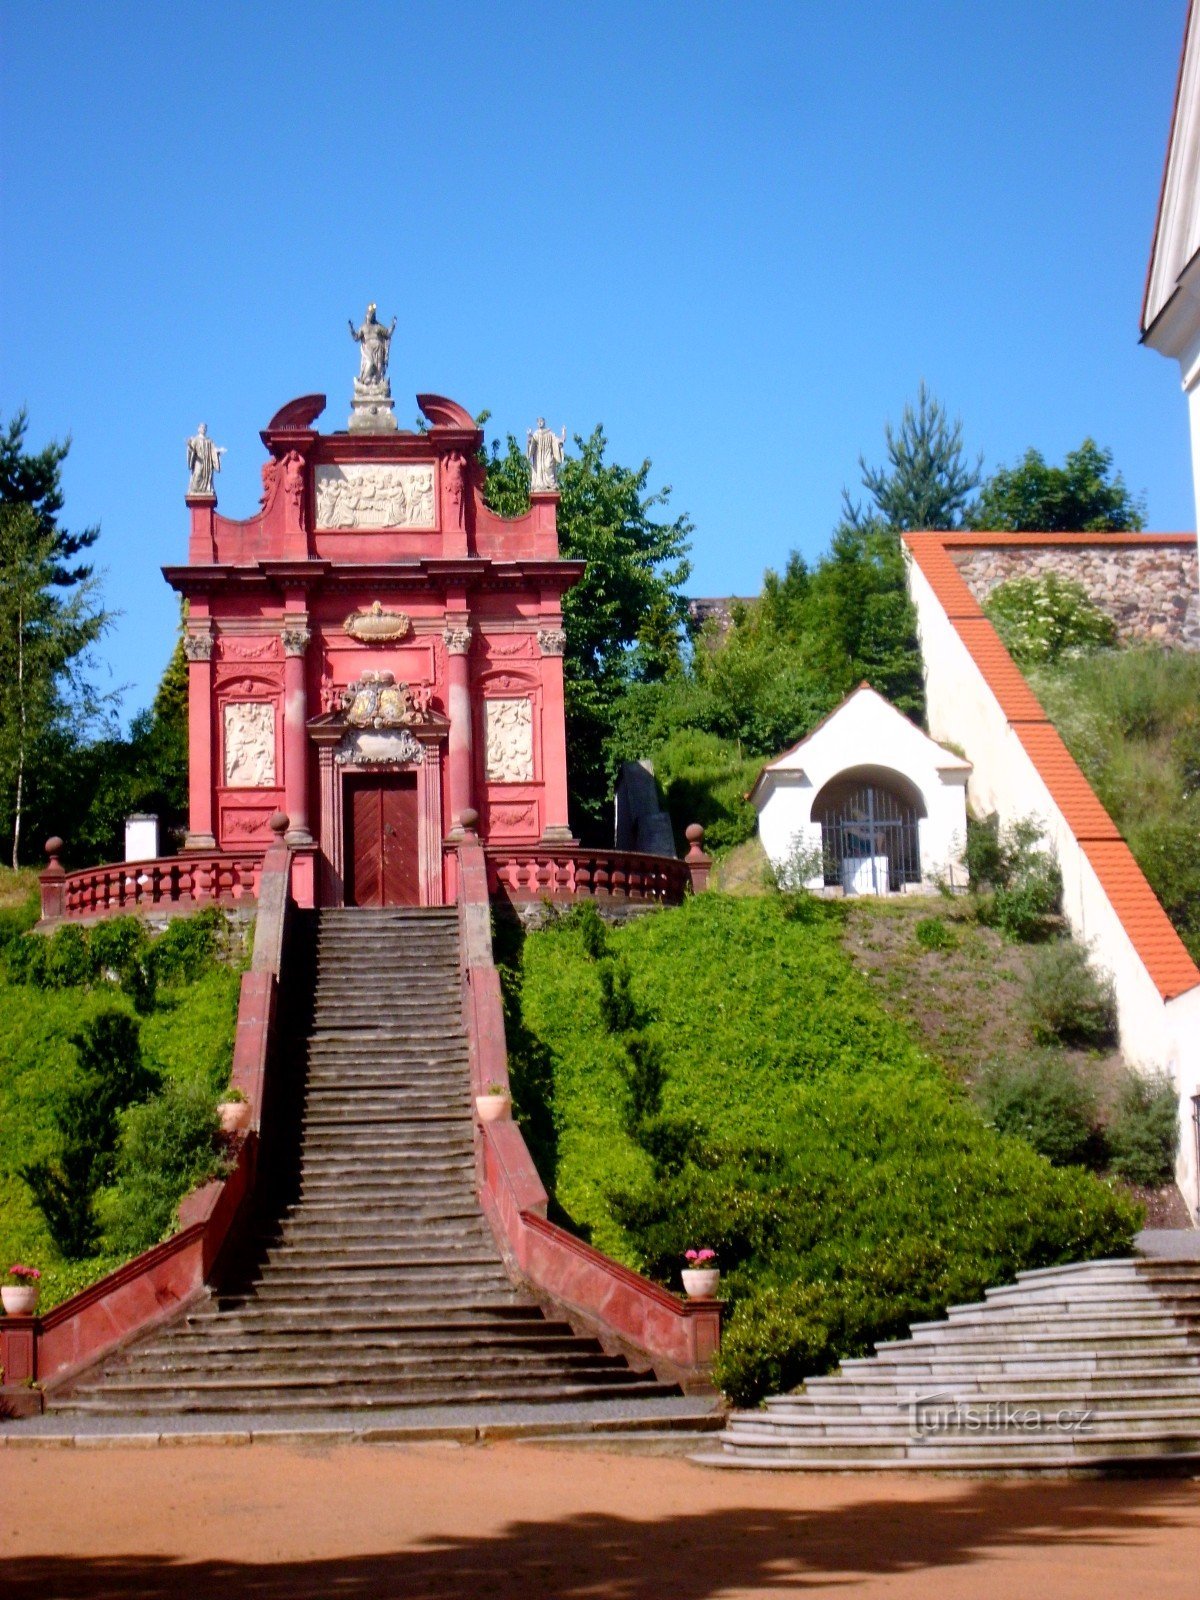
x: 737, y: 236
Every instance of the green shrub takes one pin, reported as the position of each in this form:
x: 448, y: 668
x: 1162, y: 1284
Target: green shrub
x: 25, y: 960
x: 168, y: 1146
x: 1043, y: 619
x: 1045, y: 1101
x: 793, y: 873
x: 110, y: 1076
x: 1014, y: 876
x: 1143, y: 1132
x: 933, y: 934
x: 189, y: 946
x: 1068, y: 1001
x: 68, y: 961
x: 121, y: 951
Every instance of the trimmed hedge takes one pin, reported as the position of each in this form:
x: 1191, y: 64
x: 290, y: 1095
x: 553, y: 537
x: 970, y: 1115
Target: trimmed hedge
x: 799, y: 1131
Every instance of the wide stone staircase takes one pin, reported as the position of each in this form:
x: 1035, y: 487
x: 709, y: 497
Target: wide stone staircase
x: 372, y: 1280
x: 1092, y: 1367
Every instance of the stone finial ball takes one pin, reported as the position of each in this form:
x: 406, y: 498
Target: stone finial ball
x: 54, y: 846
x: 279, y: 824
x: 468, y: 818
x: 693, y: 833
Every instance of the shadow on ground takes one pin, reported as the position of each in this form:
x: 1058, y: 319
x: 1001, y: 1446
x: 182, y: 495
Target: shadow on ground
x: 688, y: 1556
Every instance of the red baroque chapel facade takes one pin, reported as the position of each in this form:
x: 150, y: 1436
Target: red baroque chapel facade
x: 374, y: 653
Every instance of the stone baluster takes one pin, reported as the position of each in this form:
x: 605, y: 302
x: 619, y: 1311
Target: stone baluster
x: 698, y: 864
x: 53, y: 884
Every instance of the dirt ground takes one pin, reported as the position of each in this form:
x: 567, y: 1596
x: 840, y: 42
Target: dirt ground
x: 515, y: 1520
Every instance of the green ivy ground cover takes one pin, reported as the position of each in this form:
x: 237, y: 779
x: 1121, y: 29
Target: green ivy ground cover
x: 847, y: 1185
x: 188, y: 1036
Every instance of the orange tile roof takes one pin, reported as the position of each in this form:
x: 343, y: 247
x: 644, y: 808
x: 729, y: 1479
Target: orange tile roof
x: 1150, y: 931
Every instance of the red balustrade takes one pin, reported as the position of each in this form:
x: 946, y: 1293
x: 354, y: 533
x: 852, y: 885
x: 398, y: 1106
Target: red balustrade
x: 205, y: 878
x: 569, y: 872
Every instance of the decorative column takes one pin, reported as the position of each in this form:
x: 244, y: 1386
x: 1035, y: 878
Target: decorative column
x: 198, y: 647
x: 459, y: 755
x: 295, y: 636
x: 556, y: 829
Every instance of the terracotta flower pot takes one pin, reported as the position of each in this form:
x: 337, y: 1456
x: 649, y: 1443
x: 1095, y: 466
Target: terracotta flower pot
x: 492, y: 1107
x: 19, y: 1299
x: 700, y: 1283
x: 235, y: 1115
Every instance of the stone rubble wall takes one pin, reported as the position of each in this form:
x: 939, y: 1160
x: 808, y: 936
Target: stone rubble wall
x: 1152, y: 594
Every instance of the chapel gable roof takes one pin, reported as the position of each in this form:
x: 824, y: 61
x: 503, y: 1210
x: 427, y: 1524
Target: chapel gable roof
x: 858, y: 712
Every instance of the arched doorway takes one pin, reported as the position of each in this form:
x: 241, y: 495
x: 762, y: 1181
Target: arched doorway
x: 870, y: 831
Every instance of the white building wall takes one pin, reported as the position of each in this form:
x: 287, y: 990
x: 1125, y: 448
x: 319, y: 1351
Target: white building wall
x: 1156, y: 1034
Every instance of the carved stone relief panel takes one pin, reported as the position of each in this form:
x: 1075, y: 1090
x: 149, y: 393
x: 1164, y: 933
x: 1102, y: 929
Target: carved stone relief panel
x: 249, y: 745
x: 509, y: 740
x: 375, y: 495
x: 245, y: 824
x: 235, y: 649
x: 513, y: 816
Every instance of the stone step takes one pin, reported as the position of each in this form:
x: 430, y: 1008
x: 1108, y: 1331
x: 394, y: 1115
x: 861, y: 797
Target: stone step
x: 249, y: 1313
x: 1010, y: 1452
x: 1034, y: 1342
x: 535, y: 1390
x: 886, y: 1409
x: 338, y: 1380
x: 1149, y: 1377
x: 395, y: 1366
x: 301, y: 1346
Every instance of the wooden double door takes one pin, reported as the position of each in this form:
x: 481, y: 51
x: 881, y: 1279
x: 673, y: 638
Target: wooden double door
x: 383, y: 847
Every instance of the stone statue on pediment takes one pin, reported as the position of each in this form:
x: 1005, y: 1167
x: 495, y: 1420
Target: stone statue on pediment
x: 372, y: 409
x: 544, y: 449
x: 203, y: 459
x: 375, y: 342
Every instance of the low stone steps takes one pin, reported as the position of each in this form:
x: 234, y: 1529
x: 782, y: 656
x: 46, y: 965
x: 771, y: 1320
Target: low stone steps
x: 1089, y: 1367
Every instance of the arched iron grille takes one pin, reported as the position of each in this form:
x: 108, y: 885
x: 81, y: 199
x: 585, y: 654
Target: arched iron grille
x: 870, y: 838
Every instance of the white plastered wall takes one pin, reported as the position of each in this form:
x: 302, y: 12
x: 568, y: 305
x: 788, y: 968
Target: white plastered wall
x: 866, y: 734
x: 1156, y: 1034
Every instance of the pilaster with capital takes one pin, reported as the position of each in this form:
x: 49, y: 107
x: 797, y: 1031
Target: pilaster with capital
x: 198, y: 648
x: 457, y: 638
x: 295, y: 636
x: 556, y: 828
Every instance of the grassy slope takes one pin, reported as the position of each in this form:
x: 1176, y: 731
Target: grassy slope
x: 190, y: 1036
x: 882, y: 1183
x: 1131, y: 718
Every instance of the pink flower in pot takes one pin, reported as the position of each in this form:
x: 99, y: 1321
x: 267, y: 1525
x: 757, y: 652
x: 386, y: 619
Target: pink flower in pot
x: 19, y: 1298
x: 701, y: 1275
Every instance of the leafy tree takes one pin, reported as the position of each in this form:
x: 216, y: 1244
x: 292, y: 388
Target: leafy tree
x: 1083, y: 495
x: 626, y: 618
x: 49, y: 619
x: 35, y: 480
x: 148, y: 771
x: 927, y: 482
